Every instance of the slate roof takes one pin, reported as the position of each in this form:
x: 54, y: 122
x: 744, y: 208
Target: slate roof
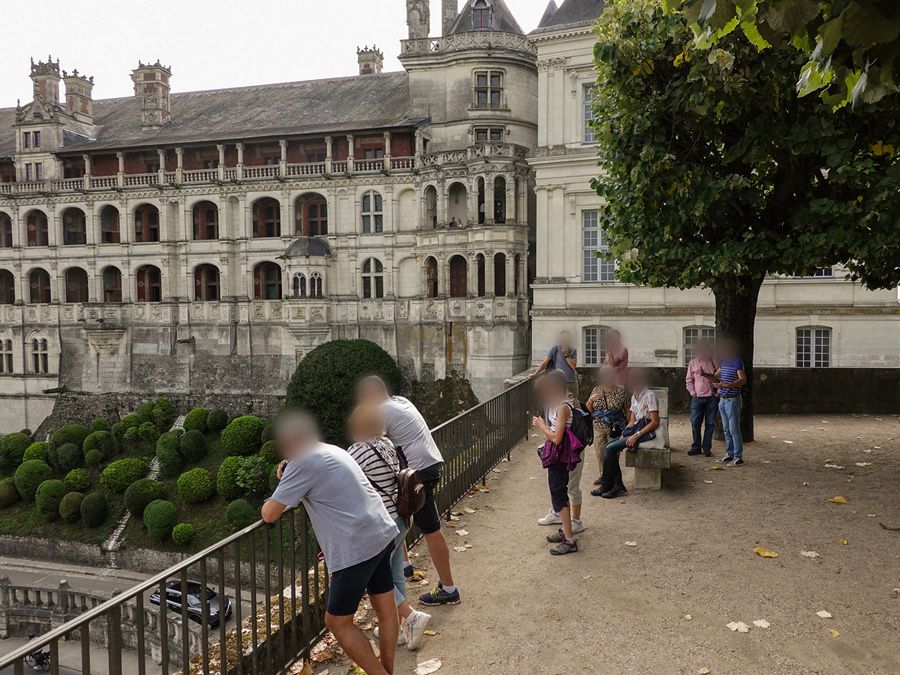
x: 502, y: 20
x: 308, y: 246
x: 292, y: 108
x: 571, y: 14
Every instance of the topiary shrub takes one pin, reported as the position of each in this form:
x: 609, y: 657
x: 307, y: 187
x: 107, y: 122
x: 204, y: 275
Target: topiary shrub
x: 70, y: 507
x: 9, y: 495
x: 12, y: 450
x: 159, y: 519
x: 193, y: 446
x: 78, y: 480
x: 242, y: 436
x: 182, y: 534
x: 49, y: 495
x: 123, y: 472
x: 120, y: 428
x: 443, y: 399
x: 253, y: 475
x: 65, y: 457
x: 217, y: 420
x: 168, y: 453
x: 195, y: 486
x: 94, y: 509
x: 69, y: 433
x: 324, y: 381
x: 269, y: 452
x: 37, y: 450
x: 142, y: 492
x: 226, y: 478
x: 93, y: 457
x: 29, y: 476
x: 103, y: 441
x: 268, y: 434
x: 196, y: 420
x: 163, y: 413
x: 99, y: 424
x: 145, y: 412
x: 239, y: 514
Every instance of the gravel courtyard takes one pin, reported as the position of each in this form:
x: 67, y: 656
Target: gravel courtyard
x: 663, y: 604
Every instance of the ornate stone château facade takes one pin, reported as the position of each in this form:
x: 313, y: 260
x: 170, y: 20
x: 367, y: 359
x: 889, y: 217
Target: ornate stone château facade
x: 204, y: 241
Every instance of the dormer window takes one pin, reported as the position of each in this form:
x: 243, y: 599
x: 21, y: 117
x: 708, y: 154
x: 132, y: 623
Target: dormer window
x: 481, y: 15
x: 37, y: 116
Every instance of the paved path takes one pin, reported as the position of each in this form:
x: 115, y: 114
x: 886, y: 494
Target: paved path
x: 613, y: 608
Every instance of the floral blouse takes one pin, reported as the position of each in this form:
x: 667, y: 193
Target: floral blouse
x: 617, y: 399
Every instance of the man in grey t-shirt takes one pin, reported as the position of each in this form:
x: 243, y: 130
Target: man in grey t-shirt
x: 353, y: 528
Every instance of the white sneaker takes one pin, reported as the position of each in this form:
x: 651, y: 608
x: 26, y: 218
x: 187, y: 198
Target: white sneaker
x: 577, y: 526
x: 552, y: 518
x: 415, y: 629
x: 401, y: 636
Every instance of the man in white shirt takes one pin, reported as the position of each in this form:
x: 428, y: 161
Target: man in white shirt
x: 409, y: 433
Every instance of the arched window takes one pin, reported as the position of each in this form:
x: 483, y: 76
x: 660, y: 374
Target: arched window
x: 146, y: 223
x: 40, y: 359
x: 517, y: 274
x: 267, y: 281
x: 266, y: 218
x: 458, y: 205
x: 500, y: 274
x: 373, y: 278
x: 7, y: 288
x: 149, y: 284
x: 481, y: 15
x: 814, y: 347
x: 76, y: 285
x: 36, y: 227
x: 38, y: 286
x: 112, y: 285
x: 315, y: 285
x: 499, y: 199
x: 459, y: 273
x: 206, y: 220
x: 206, y: 283
x: 479, y: 263
x: 6, y: 236
x: 431, y: 277
x: 299, y: 286
x: 109, y: 225
x: 692, y: 335
x: 431, y: 207
x: 481, y: 207
x: 372, y: 216
x: 74, y: 227
x: 6, y: 356
x: 312, y: 215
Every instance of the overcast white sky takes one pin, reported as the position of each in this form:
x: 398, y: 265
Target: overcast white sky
x: 208, y: 43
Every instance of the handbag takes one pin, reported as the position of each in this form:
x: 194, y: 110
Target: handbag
x: 636, y: 428
x: 410, y: 490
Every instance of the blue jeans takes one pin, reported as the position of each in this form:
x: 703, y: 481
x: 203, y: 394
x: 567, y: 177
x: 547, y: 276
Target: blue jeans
x: 730, y: 410
x: 703, y: 410
x: 397, y: 563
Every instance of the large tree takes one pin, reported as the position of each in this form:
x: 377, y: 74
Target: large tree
x: 717, y: 174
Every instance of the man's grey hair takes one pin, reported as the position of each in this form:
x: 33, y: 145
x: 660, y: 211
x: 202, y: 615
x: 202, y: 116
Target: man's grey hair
x: 372, y: 383
x: 296, y: 423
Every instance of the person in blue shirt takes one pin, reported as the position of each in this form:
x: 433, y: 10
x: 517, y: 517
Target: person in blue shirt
x: 729, y: 379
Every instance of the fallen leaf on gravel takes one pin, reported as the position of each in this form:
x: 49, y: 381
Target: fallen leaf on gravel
x: 419, y: 575
x: 739, y: 626
x: 468, y: 546
x: 844, y: 542
x: 834, y: 633
x: 789, y: 442
x: 455, y: 516
x: 704, y: 671
x: 459, y: 549
x: 428, y: 667
x: 586, y: 577
x: 868, y: 451
x: 424, y: 582
x: 688, y: 617
x: 631, y: 543
x: 718, y: 468
x: 871, y: 515
x: 863, y: 463
x: 805, y: 484
x: 462, y: 533
x: 761, y: 623
x: 822, y: 614
x: 708, y: 482
x: 468, y: 510
x: 766, y: 461
x: 838, y: 500
x: 481, y: 488
x: 833, y: 466
x: 809, y: 554
x: 764, y: 552
x: 430, y: 633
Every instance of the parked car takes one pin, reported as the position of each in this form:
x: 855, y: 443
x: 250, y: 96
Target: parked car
x: 194, y: 602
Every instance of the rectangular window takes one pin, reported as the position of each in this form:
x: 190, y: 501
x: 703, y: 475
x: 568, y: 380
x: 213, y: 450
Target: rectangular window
x: 38, y: 171
x: 29, y: 172
x: 593, y: 345
x: 36, y: 139
x: 492, y: 134
x: 587, y: 94
x: 813, y: 347
x: 692, y: 336
x: 817, y: 272
x: 26, y: 139
x: 594, y: 241
x: 488, y: 89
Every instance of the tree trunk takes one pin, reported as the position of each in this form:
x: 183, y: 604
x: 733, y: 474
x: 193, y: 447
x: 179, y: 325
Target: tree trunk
x: 736, y: 318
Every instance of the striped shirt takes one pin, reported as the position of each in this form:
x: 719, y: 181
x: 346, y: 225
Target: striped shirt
x: 728, y: 372
x: 382, y: 475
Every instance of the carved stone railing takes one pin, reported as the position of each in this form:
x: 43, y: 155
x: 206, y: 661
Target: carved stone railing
x: 464, y: 41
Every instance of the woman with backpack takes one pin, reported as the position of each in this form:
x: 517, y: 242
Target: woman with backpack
x: 560, y: 455
x: 379, y: 460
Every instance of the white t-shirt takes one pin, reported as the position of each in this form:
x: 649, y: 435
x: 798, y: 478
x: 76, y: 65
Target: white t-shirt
x: 409, y: 433
x: 643, y: 403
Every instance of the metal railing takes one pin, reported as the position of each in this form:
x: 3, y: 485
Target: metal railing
x: 272, y: 575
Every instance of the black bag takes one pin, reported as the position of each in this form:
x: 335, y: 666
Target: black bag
x: 410, y: 490
x: 582, y: 424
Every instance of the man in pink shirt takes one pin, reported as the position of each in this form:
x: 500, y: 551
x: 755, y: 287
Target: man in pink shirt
x: 704, y: 401
x: 616, y: 354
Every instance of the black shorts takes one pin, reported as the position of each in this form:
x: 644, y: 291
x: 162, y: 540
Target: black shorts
x: 372, y: 576
x: 427, y: 518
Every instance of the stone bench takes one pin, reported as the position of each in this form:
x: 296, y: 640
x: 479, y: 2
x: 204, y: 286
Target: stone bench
x: 652, y: 456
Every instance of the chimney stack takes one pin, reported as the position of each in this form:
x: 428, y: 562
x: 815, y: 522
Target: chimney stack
x: 78, y: 95
x: 45, y: 77
x: 449, y: 12
x: 371, y: 61
x: 151, y: 87
x: 418, y: 19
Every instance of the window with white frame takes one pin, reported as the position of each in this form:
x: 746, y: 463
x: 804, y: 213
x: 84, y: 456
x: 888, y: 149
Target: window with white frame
x: 813, y: 347
x: 373, y: 279
x: 693, y: 335
x: 593, y: 339
x: 6, y: 357
x: 587, y: 100
x: 593, y: 242
x: 372, y: 214
x: 40, y: 359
